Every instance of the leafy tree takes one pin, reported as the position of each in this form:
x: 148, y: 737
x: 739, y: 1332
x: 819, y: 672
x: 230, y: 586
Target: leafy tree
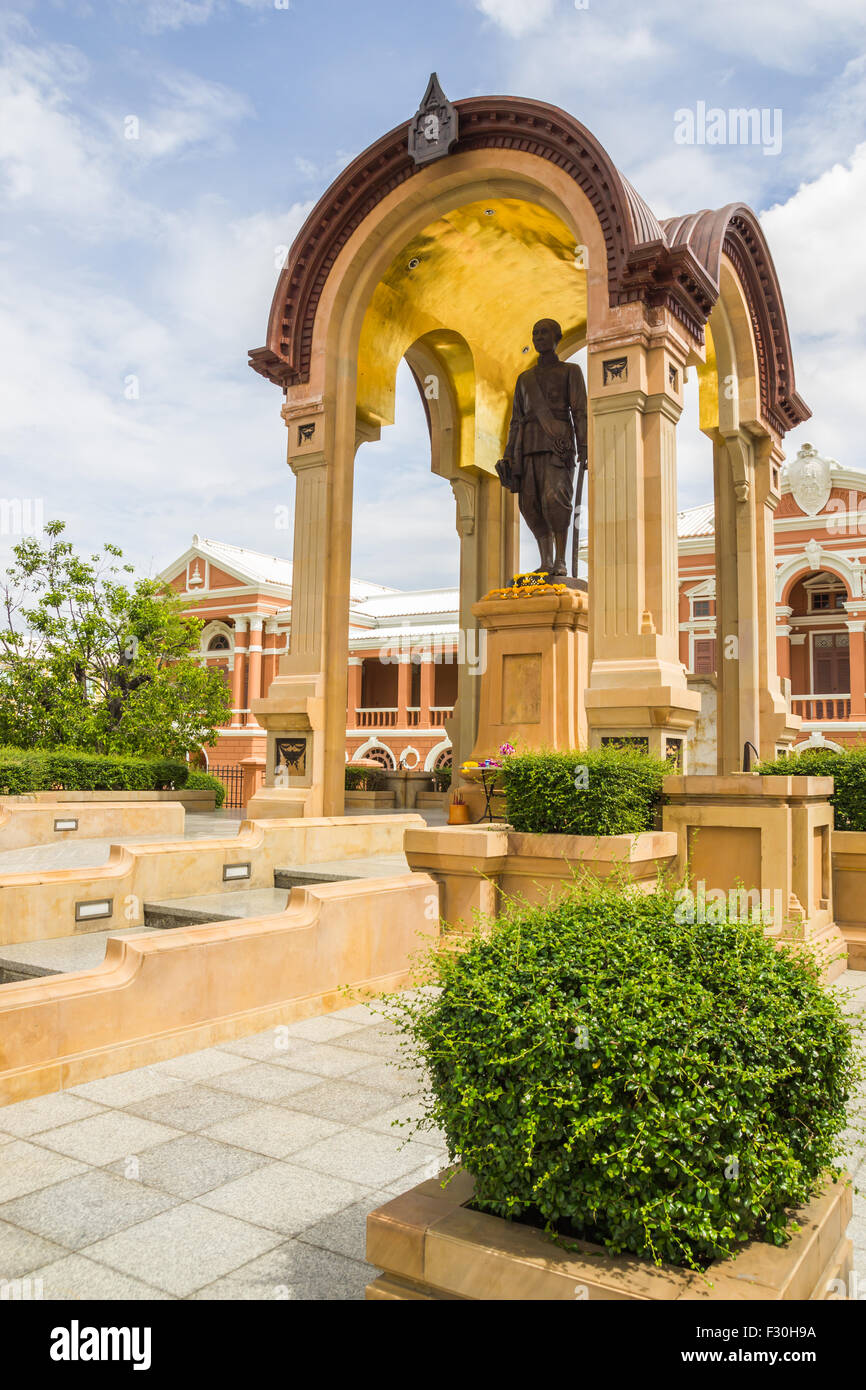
x: 93, y: 660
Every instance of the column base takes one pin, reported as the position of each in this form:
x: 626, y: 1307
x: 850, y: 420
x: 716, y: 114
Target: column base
x: 659, y: 717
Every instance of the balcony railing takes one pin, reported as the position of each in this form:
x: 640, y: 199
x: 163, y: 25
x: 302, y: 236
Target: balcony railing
x: 376, y: 718
x: 812, y: 707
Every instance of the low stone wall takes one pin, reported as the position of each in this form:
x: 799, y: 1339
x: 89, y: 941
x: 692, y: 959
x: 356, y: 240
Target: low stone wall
x: 60, y: 902
x: 193, y: 800
x: 162, y: 994
x: 26, y: 823
x: 476, y: 867
x: 361, y: 800
x: 849, y: 892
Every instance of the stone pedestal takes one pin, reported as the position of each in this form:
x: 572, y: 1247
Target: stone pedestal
x: 764, y: 842
x: 534, y: 670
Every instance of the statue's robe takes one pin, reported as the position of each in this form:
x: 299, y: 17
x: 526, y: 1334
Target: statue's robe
x: 546, y: 476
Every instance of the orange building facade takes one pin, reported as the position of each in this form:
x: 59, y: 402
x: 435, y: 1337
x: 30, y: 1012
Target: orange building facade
x: 404, y: 646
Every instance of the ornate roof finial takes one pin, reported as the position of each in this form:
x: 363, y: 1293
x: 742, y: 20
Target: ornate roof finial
x: 434, y: 127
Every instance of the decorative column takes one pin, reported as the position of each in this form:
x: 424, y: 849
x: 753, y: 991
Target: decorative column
x: 428, y: 689
x: 784, y: 614
x: 778, y: 726
x: 404, y: 689
x: 637, y: 685
x: 857, y: 663
x: 356, y: 676
x: 255, y: 668
x: 239, y: 672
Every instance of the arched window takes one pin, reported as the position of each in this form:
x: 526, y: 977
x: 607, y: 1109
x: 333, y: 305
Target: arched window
x: 219, y: 643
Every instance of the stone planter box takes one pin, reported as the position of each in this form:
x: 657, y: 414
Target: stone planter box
x: 368, y: 799
x: 476, y: 866
x: 429, y: 1245
x: 432, y: 799
x: 405, y: 785
x: 848, y: 856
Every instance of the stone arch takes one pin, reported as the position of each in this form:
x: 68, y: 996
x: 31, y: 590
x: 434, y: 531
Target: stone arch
x: 379, y: 751
x: 637, y: 291
x: 436, y: 752
x: 798, y: 567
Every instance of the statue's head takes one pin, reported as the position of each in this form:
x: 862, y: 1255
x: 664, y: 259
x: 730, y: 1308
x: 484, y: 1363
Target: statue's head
x: 545, y: 335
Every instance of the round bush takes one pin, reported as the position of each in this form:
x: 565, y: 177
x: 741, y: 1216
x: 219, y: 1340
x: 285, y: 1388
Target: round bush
x: 612, y: 1073
x: 206, y: 782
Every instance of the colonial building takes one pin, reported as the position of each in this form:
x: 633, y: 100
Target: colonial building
x: 404, y: 646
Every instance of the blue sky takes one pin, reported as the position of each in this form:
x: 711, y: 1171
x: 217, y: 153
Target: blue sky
x: 136, y: 273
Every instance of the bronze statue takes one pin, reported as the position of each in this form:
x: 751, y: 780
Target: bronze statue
x: 546, y: 438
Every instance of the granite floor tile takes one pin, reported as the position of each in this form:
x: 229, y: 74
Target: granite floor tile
x: 403, y: 1122
x: 21, y: 1251
x: 24, y: 1167
x: 191, y: 1165
x: 323, y: 1028
x: 259, y: 1047
x: 272, y: 1130
x: 431, y: 1168
x: 85, y: 1208
x: 283, y: 1197
x: 345, y: 1231
x: 103, y: 1138
x: 296, y: 1272
x: 183, y: 1249
x: 391, y: 1076
x: 76, y: 1277
x: 381, y: 1040
x: 29, y: 1117
x: 192, y: 1107
x: 358, y: 1155
x: 322, y: 1059
x: 200, y: 1066
x: 343, y: 1102
x: 127, y: 1087
x: 262, y: 1081
x: 365, y: 1014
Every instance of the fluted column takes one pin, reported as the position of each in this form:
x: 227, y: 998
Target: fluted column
x: 356, y: 673
x: 239, y: 670
x: 428, y: 689
x: 254, y: 681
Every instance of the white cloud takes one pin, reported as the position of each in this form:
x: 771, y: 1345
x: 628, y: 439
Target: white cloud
x: 518, y: 17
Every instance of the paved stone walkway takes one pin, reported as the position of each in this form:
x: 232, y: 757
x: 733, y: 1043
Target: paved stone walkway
x: 245, y: 1171
x: 90, y: 854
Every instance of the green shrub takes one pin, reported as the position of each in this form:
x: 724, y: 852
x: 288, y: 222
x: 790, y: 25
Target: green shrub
x: 206, y: 782
x: 364, y: 779
x: 848, y: 769
x: 67, y: 769
x: 603, y: 791
x: 616, y: 1074
x: 442, y: 779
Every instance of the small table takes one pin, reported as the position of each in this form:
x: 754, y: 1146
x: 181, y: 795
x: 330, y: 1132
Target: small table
x: 488, y: 782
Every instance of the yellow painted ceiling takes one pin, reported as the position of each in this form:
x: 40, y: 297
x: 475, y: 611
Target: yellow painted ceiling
x: 486, y: 271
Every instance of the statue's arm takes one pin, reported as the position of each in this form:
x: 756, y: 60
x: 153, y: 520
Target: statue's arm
x: 513, y: 451
x: 577, y: 401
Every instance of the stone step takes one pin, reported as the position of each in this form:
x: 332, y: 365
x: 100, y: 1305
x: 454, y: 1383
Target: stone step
x: 215, y: 907
x: 341, y: 870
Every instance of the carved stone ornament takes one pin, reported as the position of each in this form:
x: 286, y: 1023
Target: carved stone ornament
x: 433, y: 131
x: 809, y: 476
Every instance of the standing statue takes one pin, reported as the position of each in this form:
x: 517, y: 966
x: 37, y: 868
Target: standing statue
x: 546, y: 438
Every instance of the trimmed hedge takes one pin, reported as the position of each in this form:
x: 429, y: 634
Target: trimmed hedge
x: 611, y: 1072
x: 848, y: 769
x: 601, y: 791
x: 67, y: 769
x: 206, y: 782
x: 364, y: 779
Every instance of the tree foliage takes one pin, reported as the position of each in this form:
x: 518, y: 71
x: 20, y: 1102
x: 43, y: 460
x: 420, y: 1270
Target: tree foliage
x: 94, y: 659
